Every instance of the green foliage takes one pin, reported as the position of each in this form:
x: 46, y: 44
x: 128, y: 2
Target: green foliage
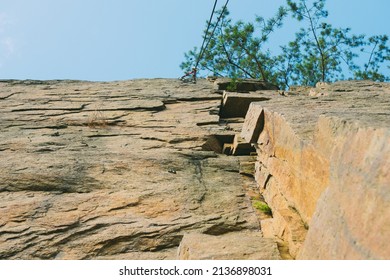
x: 234, y: 50
x: 379, y: 53
x: 232, y: 85
x: 319, y: 52
x: 261, y: 206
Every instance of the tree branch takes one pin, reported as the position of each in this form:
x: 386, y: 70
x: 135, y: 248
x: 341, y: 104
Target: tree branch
x: 323, y: 67
x: 259, y: 65
x: 232, y: 62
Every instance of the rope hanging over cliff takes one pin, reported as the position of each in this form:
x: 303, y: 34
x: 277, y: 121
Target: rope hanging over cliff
x: 204, y: 44
x: 207, y: 31
x: 206, y: 41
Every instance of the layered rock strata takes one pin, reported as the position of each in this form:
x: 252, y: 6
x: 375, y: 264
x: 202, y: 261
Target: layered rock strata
x: 116, y: 170
x: 158, y: 169
x: 323, y: 167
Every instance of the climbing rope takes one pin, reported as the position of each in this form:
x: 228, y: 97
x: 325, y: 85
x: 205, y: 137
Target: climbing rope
x: 207, y: 31
x: 206, y: 41
x: 204, y: 47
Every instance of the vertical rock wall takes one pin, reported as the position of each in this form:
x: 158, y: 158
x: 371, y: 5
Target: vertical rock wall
x: 352, y: 216
x: 138, y: 170
x: 323, y: 167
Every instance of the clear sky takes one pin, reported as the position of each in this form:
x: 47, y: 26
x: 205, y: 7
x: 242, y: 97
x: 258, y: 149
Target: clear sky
x: 105, y: 40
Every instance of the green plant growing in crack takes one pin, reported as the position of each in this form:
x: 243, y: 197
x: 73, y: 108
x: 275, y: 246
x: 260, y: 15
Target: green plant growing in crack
x: 262, y: 206
x: 233, y: 85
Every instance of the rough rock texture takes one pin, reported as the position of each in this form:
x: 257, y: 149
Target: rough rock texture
x: 252, y: 246
x: 358, y: 225
x: 236, y: 104
x: 323, y: 166
x: 114, y: 170
x: 125, y: 170
x: 242, y: 85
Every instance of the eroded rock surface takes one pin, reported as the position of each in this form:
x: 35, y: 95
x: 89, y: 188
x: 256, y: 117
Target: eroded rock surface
x: 113, y: 170
x: 252, y: 246
x: 323, y: 167
x: 158, y: 169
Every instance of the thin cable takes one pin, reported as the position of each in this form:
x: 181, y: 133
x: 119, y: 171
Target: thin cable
x: 207, y: 31
x: 204, y: 47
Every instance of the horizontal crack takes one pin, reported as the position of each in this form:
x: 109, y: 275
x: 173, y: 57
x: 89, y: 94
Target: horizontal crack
x: 49, y: 109
x: 112, y: 135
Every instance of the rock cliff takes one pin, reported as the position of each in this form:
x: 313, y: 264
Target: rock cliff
x: 158, y: 169
x: 115, y: 170
x: 323, y: 167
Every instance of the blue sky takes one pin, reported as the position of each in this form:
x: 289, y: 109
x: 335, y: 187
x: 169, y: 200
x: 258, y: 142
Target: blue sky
x: 105, y: 40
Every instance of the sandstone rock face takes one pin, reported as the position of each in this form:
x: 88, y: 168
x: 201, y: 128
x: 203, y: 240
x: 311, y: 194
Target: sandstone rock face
x: 357, y: 226
x: 113, y: 170
x: 158, y: 169
x: 252, y: 246
x: 323, y: 167
x: 236, y: 104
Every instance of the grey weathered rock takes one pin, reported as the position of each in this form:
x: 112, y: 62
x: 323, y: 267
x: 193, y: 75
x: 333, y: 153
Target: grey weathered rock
x: 244, y: 85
